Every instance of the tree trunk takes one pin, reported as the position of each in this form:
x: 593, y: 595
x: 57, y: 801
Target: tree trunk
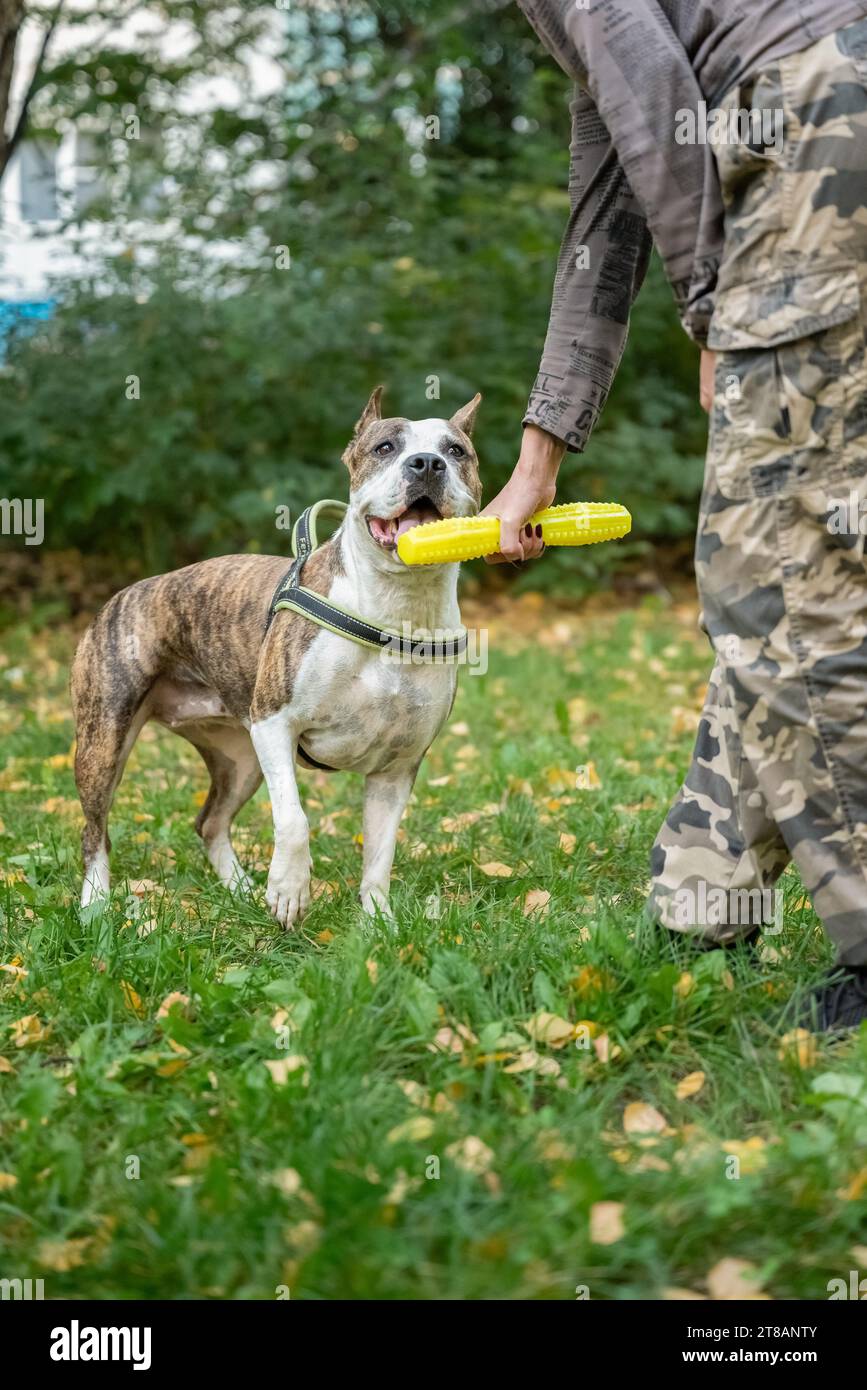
x: 11, y: 16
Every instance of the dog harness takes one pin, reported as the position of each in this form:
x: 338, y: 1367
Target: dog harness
x: 292, y: 594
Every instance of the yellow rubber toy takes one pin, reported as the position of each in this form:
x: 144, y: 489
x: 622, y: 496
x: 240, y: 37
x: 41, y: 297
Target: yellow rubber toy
x: 469, y: 537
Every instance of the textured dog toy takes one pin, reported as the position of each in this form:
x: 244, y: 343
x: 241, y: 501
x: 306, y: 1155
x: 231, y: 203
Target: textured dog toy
x: 469, y: 537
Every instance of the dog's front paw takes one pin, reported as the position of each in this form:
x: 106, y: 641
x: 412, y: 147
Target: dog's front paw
x: 288, y: 897
x: 374, y: 901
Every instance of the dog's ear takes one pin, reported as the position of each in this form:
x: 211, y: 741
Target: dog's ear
x: 370, y: 412
x: 465, y: 418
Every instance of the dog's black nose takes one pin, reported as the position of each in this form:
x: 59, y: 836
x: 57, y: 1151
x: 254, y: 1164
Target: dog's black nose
x: 424, y: 468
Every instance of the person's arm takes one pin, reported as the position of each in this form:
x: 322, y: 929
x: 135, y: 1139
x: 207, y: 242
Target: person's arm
x: 603, y: 259
x: 648, y: 96
x: 602, y: 263
x: 629, y: 172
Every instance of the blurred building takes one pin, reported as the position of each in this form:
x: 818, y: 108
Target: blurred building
x: 45, y: 233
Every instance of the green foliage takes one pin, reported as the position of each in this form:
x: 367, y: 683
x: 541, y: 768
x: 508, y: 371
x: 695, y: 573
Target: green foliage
x: 426, y: 264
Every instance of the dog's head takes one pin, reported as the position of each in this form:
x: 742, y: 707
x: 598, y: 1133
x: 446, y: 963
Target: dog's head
x: 404, y: 472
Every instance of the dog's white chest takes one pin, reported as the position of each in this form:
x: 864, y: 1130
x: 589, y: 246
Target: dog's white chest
x: 358, y: 710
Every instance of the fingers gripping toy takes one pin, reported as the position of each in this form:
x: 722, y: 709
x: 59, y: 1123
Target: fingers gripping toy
x: 468, y: 538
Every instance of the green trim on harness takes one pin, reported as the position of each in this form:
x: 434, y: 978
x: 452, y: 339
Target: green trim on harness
x: 291, y: 594
x: 304, y: 535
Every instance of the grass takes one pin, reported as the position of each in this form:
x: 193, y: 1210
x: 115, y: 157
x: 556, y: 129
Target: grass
x: 358, y: 1112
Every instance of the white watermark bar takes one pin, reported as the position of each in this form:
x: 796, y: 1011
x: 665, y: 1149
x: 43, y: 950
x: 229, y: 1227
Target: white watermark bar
x: 23, y: 516
x: 419, y: 646
x: 24, y: 1289
x: 718, y: 125
x: 707, y: 906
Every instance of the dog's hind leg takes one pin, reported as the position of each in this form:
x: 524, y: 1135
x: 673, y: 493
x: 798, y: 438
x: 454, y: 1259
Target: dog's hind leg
x: 231, y: 760
x: 108, y: 698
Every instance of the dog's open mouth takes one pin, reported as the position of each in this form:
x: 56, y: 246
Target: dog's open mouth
x: 387, y: 530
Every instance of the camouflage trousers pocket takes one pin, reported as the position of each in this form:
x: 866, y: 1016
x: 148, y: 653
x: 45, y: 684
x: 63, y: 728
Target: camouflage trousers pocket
x: 790, y: 372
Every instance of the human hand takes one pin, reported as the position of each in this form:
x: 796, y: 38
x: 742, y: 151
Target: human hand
x: 531, y: 487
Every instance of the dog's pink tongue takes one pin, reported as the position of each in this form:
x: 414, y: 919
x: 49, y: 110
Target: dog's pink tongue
x: 415, y: 516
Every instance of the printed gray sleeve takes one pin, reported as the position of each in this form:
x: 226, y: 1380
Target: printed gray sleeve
x: 639, y: 77
x: 603, y: 260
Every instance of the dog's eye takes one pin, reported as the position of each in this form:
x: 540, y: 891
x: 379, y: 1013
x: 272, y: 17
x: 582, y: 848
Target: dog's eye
x: 386, y: 447
x: 456, y: 451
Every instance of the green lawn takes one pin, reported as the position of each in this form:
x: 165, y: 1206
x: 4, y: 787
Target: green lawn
x: 194, y: 1104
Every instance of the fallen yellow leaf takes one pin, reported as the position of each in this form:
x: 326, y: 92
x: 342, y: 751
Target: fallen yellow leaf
x: 578, y: 710
x: 549, y: 1028
x: 175, y: 1000
x: 132, y: 999
x: 493, y: 869
x: 605, y: 1051
x: 471, y: 1154
x: 606, y: 1222
x: 64, y: 1255
x: 529, y: 1060
x: 589, y: 980
x: 640, y: 1118
x: 322, y: 888
x: 286, y: 1180
x: 750, y: 1153
x: 460, y: 822
x: 415, y: 1128
x: 446, y: 1040
x: 519, y: 786
x: 140, y: 887
x: 587, y: 779
x: 799, y: 1046
x: 856, y: 1187
x: 562, y: 779
x: 690, y: 1085
x: 683, y: 721
x: 172, y: 1068
x: 28, y: 1031
x: 734, y: 1279
x: 60, y: 806
x: 284, y: 1066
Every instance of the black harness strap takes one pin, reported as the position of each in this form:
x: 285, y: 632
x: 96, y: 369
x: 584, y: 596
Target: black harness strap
x: 321, y: 767
x: 291, y: 594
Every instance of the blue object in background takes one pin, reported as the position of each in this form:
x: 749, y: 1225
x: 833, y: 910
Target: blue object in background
x: 14, y: 313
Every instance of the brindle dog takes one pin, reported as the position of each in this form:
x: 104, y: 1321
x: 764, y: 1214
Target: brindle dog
x: 194, y: 651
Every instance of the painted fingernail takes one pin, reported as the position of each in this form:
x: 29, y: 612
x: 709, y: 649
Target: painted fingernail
x: 539, y: 531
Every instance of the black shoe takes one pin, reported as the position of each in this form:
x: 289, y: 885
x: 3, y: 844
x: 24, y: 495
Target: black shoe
x: 839, y: 1004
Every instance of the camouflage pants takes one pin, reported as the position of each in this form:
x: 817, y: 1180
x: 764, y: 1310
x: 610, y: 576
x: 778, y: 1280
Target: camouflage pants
x: 779, y: 770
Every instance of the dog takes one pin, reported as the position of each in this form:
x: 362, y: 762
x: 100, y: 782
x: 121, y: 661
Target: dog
x: 257, y: 692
